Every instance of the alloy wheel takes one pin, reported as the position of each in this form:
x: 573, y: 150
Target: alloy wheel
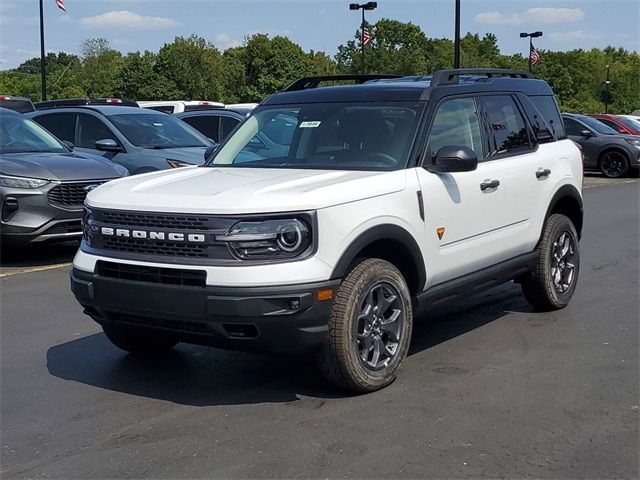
x: 562, y: 262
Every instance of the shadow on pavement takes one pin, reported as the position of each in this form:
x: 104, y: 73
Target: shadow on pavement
x: 192, y: 375
x: 12, y: 256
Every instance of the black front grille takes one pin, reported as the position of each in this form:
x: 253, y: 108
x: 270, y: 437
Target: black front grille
x: 70, y: 195
x: 138, y: 273
x: 131, y: 245
x: 74, y: 226
x: 153, y: 220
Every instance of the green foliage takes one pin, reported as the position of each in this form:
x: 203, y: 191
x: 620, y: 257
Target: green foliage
x: 193, y: 68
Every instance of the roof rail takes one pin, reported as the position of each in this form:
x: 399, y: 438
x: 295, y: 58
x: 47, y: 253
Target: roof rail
x: 305, y: 83
x: 451, y: 77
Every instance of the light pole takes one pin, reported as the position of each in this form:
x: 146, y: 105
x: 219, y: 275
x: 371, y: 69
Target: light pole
x: 456, y: 41
x: 606, y: 86
x: 531, y: 36
x: 43, y: 73
x: 363, y: 7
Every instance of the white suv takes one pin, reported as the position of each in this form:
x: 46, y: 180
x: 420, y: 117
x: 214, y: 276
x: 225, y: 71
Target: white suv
x: 334, y: 215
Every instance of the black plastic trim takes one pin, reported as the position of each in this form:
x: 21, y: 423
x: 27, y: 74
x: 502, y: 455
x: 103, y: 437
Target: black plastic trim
x: 567, y: 191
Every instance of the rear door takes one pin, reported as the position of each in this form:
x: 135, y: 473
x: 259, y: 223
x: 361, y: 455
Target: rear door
x: 208, y: 125
x: 466, y: 219
x: 590, y: 144
x: 60, y: 124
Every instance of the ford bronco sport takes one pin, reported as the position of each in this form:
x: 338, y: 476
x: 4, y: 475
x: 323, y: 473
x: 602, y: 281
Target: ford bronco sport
x: 334, y: 215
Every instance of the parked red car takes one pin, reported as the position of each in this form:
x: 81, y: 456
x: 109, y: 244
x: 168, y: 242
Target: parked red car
x: 620, y: 124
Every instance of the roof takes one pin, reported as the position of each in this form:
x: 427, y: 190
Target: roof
x: 105, y: 110
x: 409, y: 88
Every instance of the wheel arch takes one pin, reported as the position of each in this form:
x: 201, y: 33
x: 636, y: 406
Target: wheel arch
x: 567, y: 201
x: 391, y: 243
x: 612, y: 148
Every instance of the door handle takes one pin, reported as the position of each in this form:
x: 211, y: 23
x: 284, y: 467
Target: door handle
x: 487, y: 184
x: 543, y: 172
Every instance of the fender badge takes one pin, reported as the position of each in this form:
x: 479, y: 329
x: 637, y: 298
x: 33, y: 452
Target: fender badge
x: 440, y: 232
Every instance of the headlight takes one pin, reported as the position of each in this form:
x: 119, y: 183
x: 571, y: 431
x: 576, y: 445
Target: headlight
x: 268, y: 239
x: 178, y: 163
x: 87, y: 227
x: 633, y: 141
x: 21, y: 182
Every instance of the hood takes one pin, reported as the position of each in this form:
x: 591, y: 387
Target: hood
x: 192, y: 155
x: 243, y: 190
x: 58, y: 166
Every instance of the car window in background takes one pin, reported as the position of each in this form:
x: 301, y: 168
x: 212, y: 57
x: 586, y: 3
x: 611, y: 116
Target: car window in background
x: 280, y: 129
x: 62, y: 125
x: 18, y: 134
x: 206, y: 124
x: 92, y: 129
x: 630, y: 123
x: 573, y: 128
x: 227, y: 124
x: 507, y: 127
x: 162, y: 108
x: 597, y: 125
x: 611, y: 124
x: 159, y: 131
x: 455, y: 124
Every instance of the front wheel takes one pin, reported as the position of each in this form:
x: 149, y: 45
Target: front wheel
x: 369, y: 329
x: 614, y: 165
x: 138, y: 341
x: 551, y: 285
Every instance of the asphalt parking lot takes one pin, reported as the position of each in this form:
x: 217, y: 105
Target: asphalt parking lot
x: 490, y: 389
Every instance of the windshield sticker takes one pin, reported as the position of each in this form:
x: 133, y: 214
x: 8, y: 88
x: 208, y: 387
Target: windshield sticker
x: 310, y: 124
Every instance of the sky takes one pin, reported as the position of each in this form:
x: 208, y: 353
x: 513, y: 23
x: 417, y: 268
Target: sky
x: 132, y: 25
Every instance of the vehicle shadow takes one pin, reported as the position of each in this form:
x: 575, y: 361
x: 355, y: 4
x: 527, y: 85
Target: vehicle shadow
x: 22, y: 256
x: 200, y: 376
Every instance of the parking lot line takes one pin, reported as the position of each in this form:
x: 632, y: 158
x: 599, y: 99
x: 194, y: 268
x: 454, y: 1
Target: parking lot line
x: 35, y: 269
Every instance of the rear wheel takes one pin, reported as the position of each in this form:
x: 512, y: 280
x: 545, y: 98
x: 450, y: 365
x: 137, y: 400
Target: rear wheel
x: 551, y: 285
x: 369, y: 329
x: 138, y: 341
x: 614, y: 165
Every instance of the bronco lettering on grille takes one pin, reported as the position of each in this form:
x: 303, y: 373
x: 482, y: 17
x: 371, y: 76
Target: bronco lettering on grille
x: 150, y: 235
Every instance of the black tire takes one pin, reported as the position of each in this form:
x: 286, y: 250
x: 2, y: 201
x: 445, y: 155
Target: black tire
x: 551, y: 285
x: 614, y: 164
x: 357, y: 328
x: 138, y: 341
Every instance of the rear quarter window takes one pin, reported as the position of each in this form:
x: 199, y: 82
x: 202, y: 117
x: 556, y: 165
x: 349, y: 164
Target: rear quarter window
x: 62, y: 125
x: 547, y: 106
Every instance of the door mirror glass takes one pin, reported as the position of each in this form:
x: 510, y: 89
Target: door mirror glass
x: 108, y: 145
x: 454, y: 159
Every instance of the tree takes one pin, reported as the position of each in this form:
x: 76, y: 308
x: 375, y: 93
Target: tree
x: 139, y: 80
x: 100, y: 67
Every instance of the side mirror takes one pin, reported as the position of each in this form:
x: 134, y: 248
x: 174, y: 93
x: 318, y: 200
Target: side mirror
x: 210, y: 151
x: 586, y: 133
x: 454, y: 159
x: 68, y: 144
x: 108, y: 145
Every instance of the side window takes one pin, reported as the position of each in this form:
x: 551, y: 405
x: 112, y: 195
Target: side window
x: 455, y: 124
x: 206, y: 125
x: 508, y: 131
x: 227, y: 124
x: 92, y: 129
x: 573, y: 128
x: 611, y: 124
x: 547, y: 106
x: 62, y: 125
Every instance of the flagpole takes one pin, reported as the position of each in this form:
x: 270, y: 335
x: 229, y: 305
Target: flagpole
x: 43, y: 73
x: 362, y: 41
x: 530, y: 51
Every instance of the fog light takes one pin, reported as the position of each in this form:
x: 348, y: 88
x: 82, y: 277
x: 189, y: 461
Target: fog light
x: 9, y: 208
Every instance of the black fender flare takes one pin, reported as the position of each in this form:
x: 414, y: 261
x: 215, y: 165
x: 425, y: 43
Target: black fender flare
x: 563, y: 192
x: 385, y: 231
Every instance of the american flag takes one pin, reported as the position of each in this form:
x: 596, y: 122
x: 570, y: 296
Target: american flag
x: 366, y: 36
x: 534, y: 55
x: 60, y: 4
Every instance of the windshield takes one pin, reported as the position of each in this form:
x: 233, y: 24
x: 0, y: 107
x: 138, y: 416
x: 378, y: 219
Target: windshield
x: 157, y: 131
x: 19, y: 135
x: 598, y: 126
x: 329, y: 136
x: 630, y: 123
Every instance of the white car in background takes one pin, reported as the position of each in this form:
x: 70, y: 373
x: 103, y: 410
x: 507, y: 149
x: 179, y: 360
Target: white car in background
x: 179, y: 106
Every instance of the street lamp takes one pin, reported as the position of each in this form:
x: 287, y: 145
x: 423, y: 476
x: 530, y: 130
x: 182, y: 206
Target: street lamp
x: 363, y: 7
x: 456, y: 40
x: 531, y: 36
x: 607, y: 98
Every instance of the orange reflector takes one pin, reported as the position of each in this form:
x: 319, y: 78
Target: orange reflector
x: 440, y: 232
x: 326, y: 294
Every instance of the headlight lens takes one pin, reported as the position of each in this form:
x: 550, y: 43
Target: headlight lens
x: 268, y: 239
x: 21, y: 182
x: 87, y: 220
x: 633, y: 141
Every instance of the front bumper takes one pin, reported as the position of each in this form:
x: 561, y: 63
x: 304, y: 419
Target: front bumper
x: 281, y: 319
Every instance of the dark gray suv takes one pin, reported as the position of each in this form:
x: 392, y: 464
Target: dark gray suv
x: 139, y: 139
x: 604, y: 149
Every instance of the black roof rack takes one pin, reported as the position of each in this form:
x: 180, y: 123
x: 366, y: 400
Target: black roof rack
x: 79, y: 102
x: 305, y: 83
x: 451, y: 77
